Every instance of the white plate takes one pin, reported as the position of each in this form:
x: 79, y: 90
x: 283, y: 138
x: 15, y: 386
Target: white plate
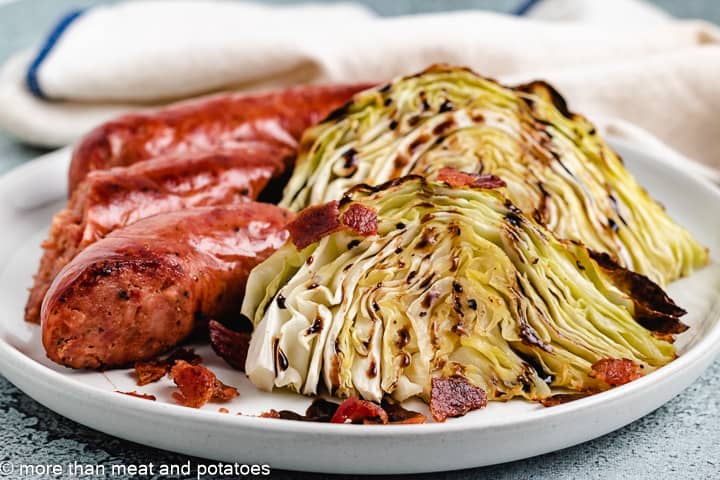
x: 501, y: 432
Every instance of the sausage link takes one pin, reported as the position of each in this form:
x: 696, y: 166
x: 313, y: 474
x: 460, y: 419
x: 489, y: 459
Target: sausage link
x: 110, y: 199
x: 206, y: 124
x: 144, y: 288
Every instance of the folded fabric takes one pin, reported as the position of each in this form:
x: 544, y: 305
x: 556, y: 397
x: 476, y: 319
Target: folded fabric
x: 624, y: 60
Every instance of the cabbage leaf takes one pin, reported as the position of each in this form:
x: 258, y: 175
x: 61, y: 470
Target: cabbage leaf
x: 456, y: 282
x: 558, y: 170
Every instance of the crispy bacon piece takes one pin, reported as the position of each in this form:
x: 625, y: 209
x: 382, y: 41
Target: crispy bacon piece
x: 616, y: 371
x: 230, y: 345
x: 354, y: 410
x: 154, y: 370
x: 197, y: 385
x: 313, y: 223
x: 397, y: 414
x: 456, y: 178
x: 144, y: 396
x: 454, y: 397
x: 561, y: 398
x: 361, y: 219
x: 222, y: 392
x: 149, y: 372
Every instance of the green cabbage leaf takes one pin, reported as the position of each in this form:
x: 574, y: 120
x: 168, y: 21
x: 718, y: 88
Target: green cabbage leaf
x: 456, y: 282
x: 558, y: 170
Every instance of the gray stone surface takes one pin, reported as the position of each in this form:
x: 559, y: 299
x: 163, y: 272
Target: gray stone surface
x: 679, y: 440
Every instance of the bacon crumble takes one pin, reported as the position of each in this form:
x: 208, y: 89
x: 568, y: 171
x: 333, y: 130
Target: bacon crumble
x: 197, y: 385
x: 153, y: 370
x: 456, y: 178
x: 616, y: 371
x: 454, y: 397
x: 270, y: 414
x: 354, y: 410
x: 313, y: 223
x: 223, y: 392
x: 360, y: 219
x: 149, y: 372
x: 230, y: 345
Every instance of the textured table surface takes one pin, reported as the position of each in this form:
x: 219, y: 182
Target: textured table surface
x: 679, y: 440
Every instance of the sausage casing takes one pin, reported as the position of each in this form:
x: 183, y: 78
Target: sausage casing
x: 144, y: 288
x: 204, y: 124
x: 110, y: 199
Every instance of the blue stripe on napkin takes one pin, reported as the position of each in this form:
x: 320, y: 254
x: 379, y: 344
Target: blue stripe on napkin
x: 525, y: 7
x: 31, y: 78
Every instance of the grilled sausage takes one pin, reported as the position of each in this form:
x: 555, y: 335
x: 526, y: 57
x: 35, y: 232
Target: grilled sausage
x: 110, y: 199
x: 144, y: 288
x: 205, y: 124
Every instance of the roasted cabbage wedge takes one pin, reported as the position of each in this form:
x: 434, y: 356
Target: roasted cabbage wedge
x: 412, y: 280
x: 558, y: 170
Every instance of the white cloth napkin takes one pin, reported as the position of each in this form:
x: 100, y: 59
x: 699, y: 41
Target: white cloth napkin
x: 611, y: 59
